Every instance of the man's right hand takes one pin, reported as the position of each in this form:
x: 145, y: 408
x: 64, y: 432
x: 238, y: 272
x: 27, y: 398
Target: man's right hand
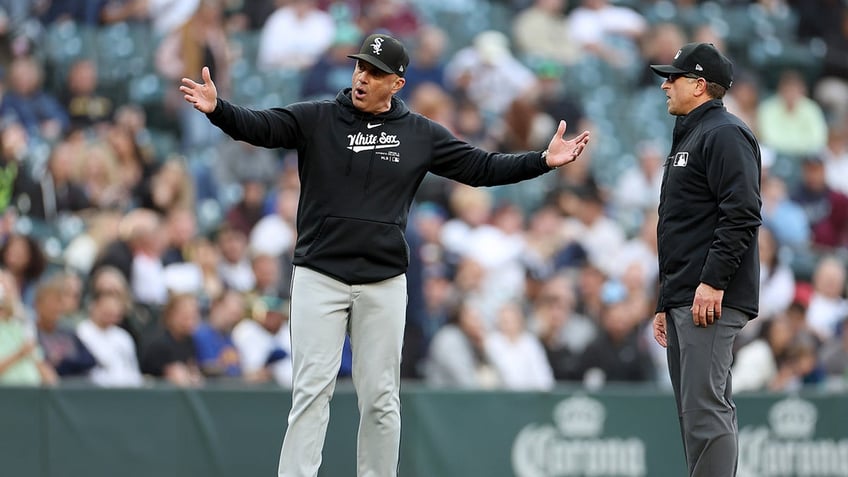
x: 204, y: 97
x: 660, y: 329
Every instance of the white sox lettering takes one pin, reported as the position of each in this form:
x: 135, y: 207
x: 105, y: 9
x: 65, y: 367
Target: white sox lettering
x: 366, y: 142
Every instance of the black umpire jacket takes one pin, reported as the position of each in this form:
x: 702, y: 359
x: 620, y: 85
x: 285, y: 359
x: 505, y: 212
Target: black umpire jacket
x: 709, y: 211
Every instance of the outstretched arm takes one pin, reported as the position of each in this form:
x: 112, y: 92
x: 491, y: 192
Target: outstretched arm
x: 204, y: 97
x: 562, y: 152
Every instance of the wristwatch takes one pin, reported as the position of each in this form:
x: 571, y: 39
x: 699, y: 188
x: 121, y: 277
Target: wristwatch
x: 545, y: 158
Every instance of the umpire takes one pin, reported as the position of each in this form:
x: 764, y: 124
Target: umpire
x: 709, y: 215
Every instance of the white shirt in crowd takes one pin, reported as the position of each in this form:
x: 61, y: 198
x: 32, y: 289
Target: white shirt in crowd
x: 115, y: 352
x: 289, y: 40
x: 254, y: 344
x: 521, y: 364
x: 148, y: 280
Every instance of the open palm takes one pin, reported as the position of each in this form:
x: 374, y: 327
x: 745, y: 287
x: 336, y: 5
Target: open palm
x: 204, y: 97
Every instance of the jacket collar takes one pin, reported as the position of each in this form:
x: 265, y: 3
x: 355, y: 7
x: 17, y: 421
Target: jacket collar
x: 683, y: 124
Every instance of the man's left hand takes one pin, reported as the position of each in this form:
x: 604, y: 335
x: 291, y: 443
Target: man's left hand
x: 562, y: 152
x: 706, y: 308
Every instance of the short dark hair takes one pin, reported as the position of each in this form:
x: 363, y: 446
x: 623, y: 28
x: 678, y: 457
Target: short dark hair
x: 715, y: 90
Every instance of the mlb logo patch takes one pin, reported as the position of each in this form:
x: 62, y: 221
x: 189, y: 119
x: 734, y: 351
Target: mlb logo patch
x: 681, y: 159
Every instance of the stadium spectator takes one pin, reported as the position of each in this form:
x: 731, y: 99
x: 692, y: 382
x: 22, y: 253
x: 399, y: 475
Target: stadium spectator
x: 619, y: 350
x: 457, y: 356
x: 170, y: 187
x: 789, y: 121
x: 200, y: 41
x: 516, y: 353
x: 167, y: 16
x: 755, y: 367
x: 488, y: 74
x: 248, y: 15
x: 235, y: 267
x: 637, y: 190
x: 331, y: 70
x: 245, y: 213
x: 834, y: 356
x: 294, y: 36
x: 592, y: 230
x: 98, y: 172
x: 100, y: 228
x: 171, y: 354
x: 427, y: 60
x: 555, y: 98
x: 217, y: 354
x: 22, y: 360
x: 56, y: 189
x: 236, y: 162
x: 785, y: 218
x: 86, y: 106
x: 743, y: 99
x: 134, y: 164
x: 639, y: 251
x: 660, y: 44
x: 399, y: 17
x: 542, y: 242
x: 827, y: 21
x: 118, y: 11
x: 274, y: 234
x: 826, y: 209
x: 835, y: 157
x: 564, y: 332
x: 63, y: 350
x: 524, y: 125
x: 180, y: 228
x: 777, y: 282
x: 112, y: 347
x: 433, y: 102
x: 540, y: 32
x: 204, y: 254
x: 828, y: 307
x: 610, y: 32
x: 23, y: 257
x: 15, y: 164
x: 264, y: 343
x: 266, y: 269
x: 29, y: 103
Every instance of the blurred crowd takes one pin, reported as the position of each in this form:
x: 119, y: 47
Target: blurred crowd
x: 139, y: 244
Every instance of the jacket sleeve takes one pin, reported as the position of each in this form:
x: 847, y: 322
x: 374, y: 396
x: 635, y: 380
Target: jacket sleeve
x: 462, y: 162
x: 733, y: 175
x: 271, y: 128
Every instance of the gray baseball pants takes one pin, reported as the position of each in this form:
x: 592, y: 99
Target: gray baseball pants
x: 699, y: 361
x: 323, y: 310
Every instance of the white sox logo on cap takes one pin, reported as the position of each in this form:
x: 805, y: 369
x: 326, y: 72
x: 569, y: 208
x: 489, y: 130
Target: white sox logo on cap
x: 376, y: 46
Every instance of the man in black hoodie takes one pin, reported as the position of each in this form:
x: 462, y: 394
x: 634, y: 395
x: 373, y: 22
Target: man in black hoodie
x: 361, y: 157
x: 709, y: 216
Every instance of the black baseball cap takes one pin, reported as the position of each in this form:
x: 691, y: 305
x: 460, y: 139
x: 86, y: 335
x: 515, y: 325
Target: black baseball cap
x: 384, y: 52
x: 702, y: 59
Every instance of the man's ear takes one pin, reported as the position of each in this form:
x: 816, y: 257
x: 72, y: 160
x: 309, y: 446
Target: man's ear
x: 399, y: 82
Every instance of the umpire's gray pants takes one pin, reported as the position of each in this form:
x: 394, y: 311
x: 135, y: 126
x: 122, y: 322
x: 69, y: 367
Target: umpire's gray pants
x: 322, y: 311
x: 699, y: 361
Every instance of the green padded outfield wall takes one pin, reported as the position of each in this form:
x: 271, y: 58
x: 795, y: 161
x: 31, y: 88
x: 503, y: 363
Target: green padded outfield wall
x: 166, y: 432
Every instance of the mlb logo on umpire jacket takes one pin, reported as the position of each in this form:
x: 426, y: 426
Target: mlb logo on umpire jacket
x: 681, y: 159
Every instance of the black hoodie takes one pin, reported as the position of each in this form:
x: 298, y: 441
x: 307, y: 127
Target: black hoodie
x: 359, y: 173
